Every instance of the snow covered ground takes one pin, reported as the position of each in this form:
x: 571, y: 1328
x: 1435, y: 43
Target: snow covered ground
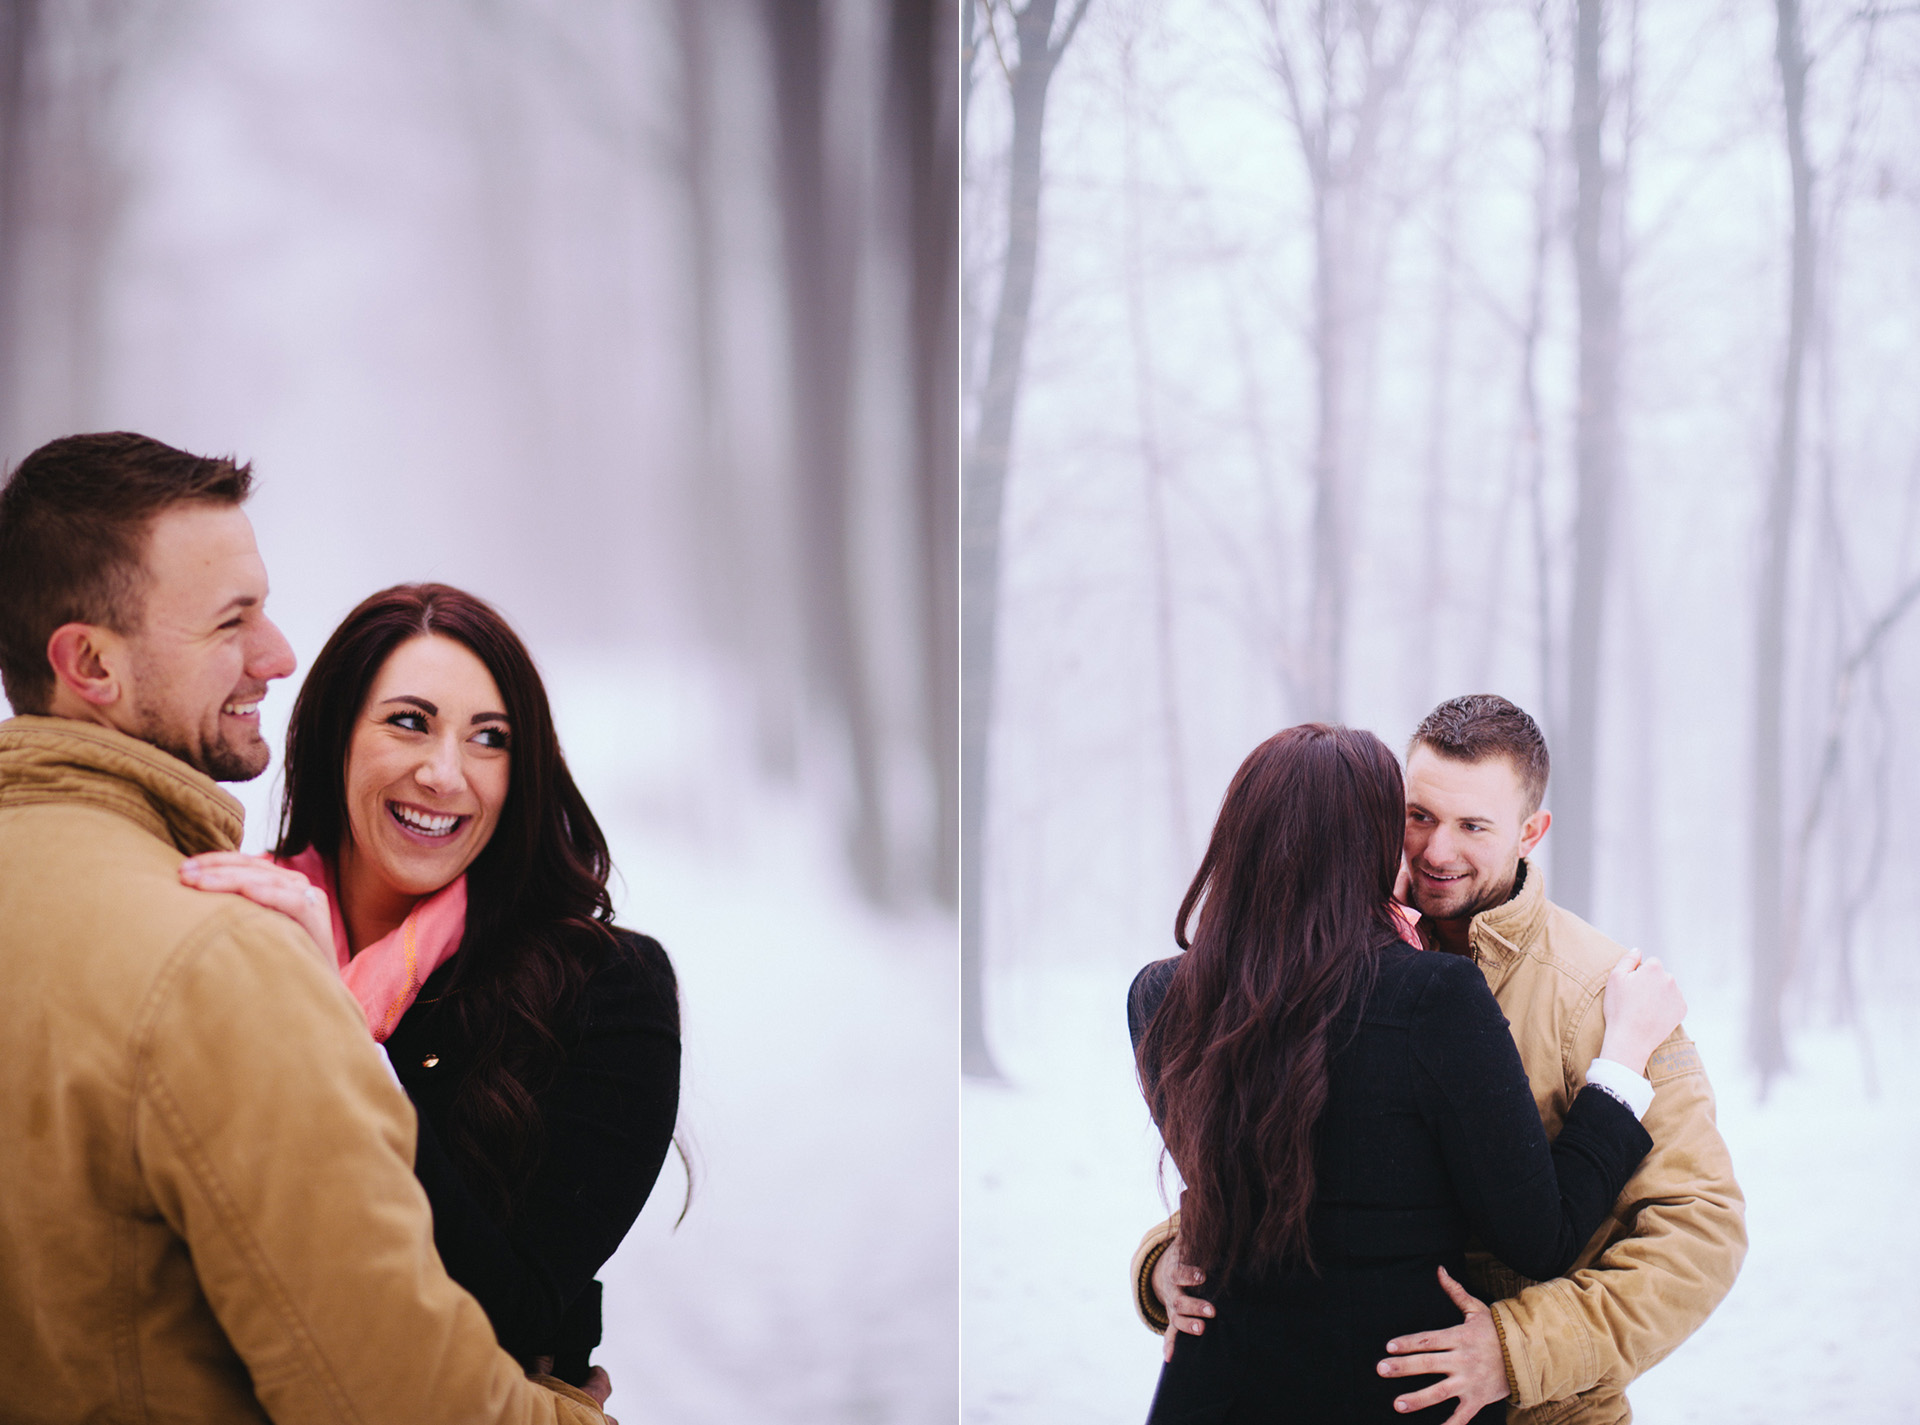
x: 1058, y: 1184
x: 815, y: 1276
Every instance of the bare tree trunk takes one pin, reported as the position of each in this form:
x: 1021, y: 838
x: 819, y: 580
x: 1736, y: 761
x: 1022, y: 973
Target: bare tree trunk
x: 1337, y: 120
x: 1434, y: 594
x: 1155, y: 475
x: 1773, y: 930
x: 1327, y: 604
x: 1596, y: 457
x: 1533, y: 326
x: 983, y: 489
x: 821, y: 251
x: 718, y: 569
x: 742, y: 569
x: 924, y: 105
x: 19, y: 32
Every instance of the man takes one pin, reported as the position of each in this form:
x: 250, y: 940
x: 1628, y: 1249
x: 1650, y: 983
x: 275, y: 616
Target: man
x: 207, y: 1204
x: 1562, y: 1350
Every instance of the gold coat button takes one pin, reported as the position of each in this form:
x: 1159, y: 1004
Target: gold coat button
x: 429, y: 1061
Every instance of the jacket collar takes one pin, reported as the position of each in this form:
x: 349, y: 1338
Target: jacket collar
x: 58, y: 759
x: 1502, y: 934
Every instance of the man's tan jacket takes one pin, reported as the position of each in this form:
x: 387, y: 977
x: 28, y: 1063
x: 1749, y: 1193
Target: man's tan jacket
x: 1662, y: 1262
x: 208, y: 1211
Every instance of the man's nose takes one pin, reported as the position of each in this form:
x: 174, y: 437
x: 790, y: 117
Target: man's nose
x: 272, y: 656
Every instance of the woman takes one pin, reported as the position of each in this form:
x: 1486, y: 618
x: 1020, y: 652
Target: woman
x: 434, y: 845
x: 1346, y: 1109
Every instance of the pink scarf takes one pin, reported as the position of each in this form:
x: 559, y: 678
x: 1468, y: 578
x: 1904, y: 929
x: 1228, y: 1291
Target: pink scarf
x: 387, y: 975
x: 1406, y: 921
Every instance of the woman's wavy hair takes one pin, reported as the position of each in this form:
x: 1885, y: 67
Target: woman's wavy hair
x: 1292, y: 899
x: 538, y: 914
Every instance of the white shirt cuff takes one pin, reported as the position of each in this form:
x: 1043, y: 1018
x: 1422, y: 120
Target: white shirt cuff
x: 1632, y: 1090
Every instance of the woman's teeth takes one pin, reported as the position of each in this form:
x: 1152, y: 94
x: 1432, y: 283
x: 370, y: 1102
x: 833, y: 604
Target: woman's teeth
x: 425, y: 823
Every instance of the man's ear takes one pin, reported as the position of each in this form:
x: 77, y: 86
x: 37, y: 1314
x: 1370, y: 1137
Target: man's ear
x: 84, y: 657
x: 1532, y: 829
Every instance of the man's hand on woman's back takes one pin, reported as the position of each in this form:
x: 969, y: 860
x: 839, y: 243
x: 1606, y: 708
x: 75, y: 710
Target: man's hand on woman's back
x: 1184, y: 1313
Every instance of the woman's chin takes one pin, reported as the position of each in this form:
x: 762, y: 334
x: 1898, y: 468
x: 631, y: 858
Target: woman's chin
x: 417, y: 876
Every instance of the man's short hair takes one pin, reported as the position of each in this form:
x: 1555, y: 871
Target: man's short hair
x: 74, y: 516
x: 1482, y: 725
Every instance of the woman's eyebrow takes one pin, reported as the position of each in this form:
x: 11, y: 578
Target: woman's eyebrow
x: 490, y: 717
x: 426, y: 707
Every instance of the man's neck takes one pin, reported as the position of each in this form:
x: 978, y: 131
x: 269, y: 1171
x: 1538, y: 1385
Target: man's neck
x: 1454, y: 934
x: 69, y: 704
x: 1451, y: 934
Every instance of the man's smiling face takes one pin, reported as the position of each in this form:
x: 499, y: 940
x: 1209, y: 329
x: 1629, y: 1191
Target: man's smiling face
x: 199, y: 663
x: 1468, y: 825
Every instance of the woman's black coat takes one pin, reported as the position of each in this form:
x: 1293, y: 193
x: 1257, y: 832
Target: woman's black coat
x: 1429, y: 1136
x: 607, y: 1121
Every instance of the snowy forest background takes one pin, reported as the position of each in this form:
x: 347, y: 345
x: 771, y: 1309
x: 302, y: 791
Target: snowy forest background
x: 637, y: 318
x: 1331, y: 358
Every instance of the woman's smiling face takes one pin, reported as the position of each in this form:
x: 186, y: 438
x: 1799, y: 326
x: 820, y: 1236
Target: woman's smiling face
x: 427, y: 767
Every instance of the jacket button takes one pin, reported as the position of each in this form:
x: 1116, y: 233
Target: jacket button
x: 429, y: 1061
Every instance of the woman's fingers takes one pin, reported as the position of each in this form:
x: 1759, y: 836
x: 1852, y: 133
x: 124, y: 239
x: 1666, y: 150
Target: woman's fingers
x: 231, y: 868
x: 598, y: 1384
x: 257, y: 882
x: 1642, y: 1006
x: 274, y: 891
x: 230, y: 858
x: 265, y: 884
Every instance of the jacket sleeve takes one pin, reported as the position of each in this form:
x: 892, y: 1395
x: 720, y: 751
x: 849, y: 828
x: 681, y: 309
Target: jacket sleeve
x: 270, y: 1138
x: 1646, y: 1292
x: 608, y: 1122
x: 1147, y: 1304
x: 1534, y: 1205
x: 1144, y: 995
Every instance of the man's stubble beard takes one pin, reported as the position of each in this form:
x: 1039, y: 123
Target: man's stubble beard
x: 222, y: 761
x: 1494, y: 898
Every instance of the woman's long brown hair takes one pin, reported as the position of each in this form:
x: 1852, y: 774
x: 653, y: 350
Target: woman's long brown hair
x: 538, y: 913
x: 1292, y: 898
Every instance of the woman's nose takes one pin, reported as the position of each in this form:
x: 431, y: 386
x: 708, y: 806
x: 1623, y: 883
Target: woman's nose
x: 440, y: 770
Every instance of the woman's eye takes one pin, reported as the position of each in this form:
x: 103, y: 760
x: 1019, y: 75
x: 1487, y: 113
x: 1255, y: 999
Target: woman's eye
x: 492, y: 737
x: 409, y: 721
